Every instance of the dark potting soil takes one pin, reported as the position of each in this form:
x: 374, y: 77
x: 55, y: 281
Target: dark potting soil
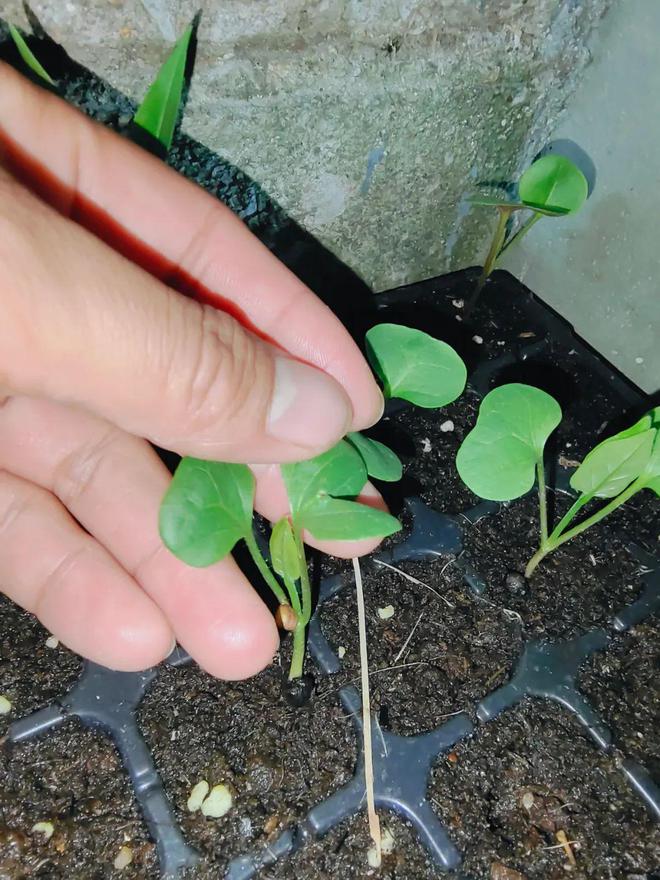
x: 74, y: 779
x: 426, y: 443
x: 277, y: 760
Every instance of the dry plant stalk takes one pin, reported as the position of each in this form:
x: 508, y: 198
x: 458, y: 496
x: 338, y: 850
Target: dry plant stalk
x: 374, y: 824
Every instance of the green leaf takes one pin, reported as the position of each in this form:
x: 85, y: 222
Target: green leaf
x: 497, y: 460
x: 651, y: 475
x: 340, y: 472
x: 553, y: 183
x: 283, y: 551
x: 28, y: 55
x: 332, y: 519
x: 381, y: 462
x: 414, y: 366
x: 613, y: 465
x: 206, y: 510
x: 159, y: 111
x: 317, y: 489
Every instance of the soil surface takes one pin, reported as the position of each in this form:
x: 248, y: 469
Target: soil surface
x: 506, y: 792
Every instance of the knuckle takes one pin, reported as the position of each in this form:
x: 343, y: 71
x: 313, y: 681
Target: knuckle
x: 14, y: 503
x: 140, y: 569
x: 221, y: 383
x: 77, y: 472
x: 59, y: 575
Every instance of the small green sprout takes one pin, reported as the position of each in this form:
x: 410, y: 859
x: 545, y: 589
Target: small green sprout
x: 503, y: 455
x: 553, y: 186
x: 28, y: 56
x: 159, y: 111
x: 208, y: 507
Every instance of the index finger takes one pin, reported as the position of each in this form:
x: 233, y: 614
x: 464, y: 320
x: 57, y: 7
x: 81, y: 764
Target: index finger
x: 93, y: 170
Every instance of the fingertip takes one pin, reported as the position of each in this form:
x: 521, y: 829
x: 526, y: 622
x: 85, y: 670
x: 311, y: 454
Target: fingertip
x: 349, y: 549
x: 371, y: 412
x: 113, y: 623
x: 238, y: 646
x: 145, y: 646
x: 129, y: 646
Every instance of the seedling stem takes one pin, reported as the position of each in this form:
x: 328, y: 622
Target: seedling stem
x: 496, y: 244
x: 524, y: 229
x: 298, y: 655
x: 305, y: 585
x: 557, y: 538
x: 264, y: 570
x: 543, y: 501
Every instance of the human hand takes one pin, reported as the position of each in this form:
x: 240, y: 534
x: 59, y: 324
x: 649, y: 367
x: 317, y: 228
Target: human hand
x: 97, y: 353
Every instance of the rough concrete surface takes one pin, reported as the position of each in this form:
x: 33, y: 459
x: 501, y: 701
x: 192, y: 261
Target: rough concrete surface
x: 370, y: 122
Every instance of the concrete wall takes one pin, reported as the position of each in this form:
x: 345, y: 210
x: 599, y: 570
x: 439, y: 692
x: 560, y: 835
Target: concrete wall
x: 601, y: 268
x: 368, y: 120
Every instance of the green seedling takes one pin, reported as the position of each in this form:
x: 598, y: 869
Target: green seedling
x: 553, y: 186
x: 28, y: 56
x: 159, y: 111
x: 502, y: 457
x: 208, y: 507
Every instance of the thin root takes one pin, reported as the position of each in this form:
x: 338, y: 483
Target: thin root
x: 374, y: 823
x: 414, y: 580
x: 407, y: 641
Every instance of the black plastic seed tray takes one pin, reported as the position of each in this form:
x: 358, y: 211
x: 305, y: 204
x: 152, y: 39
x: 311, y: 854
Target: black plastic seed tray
x: 513, y: 335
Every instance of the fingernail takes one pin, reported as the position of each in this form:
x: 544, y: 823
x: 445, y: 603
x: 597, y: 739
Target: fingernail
x: 308, y: 408
x: 380, y: 409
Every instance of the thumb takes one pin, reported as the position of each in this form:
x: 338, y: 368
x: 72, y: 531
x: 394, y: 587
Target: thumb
x: 83, y: 325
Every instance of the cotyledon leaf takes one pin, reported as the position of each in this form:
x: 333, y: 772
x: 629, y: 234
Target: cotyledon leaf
x: 553, y: 182
x: 414, y: 366
x: 494, y: 202
x: 651, y: 474
x: 321, y: 490
x: 334, y: 519
x: 498, y: 458
x: 340, y: 472
x: 206, y: 510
